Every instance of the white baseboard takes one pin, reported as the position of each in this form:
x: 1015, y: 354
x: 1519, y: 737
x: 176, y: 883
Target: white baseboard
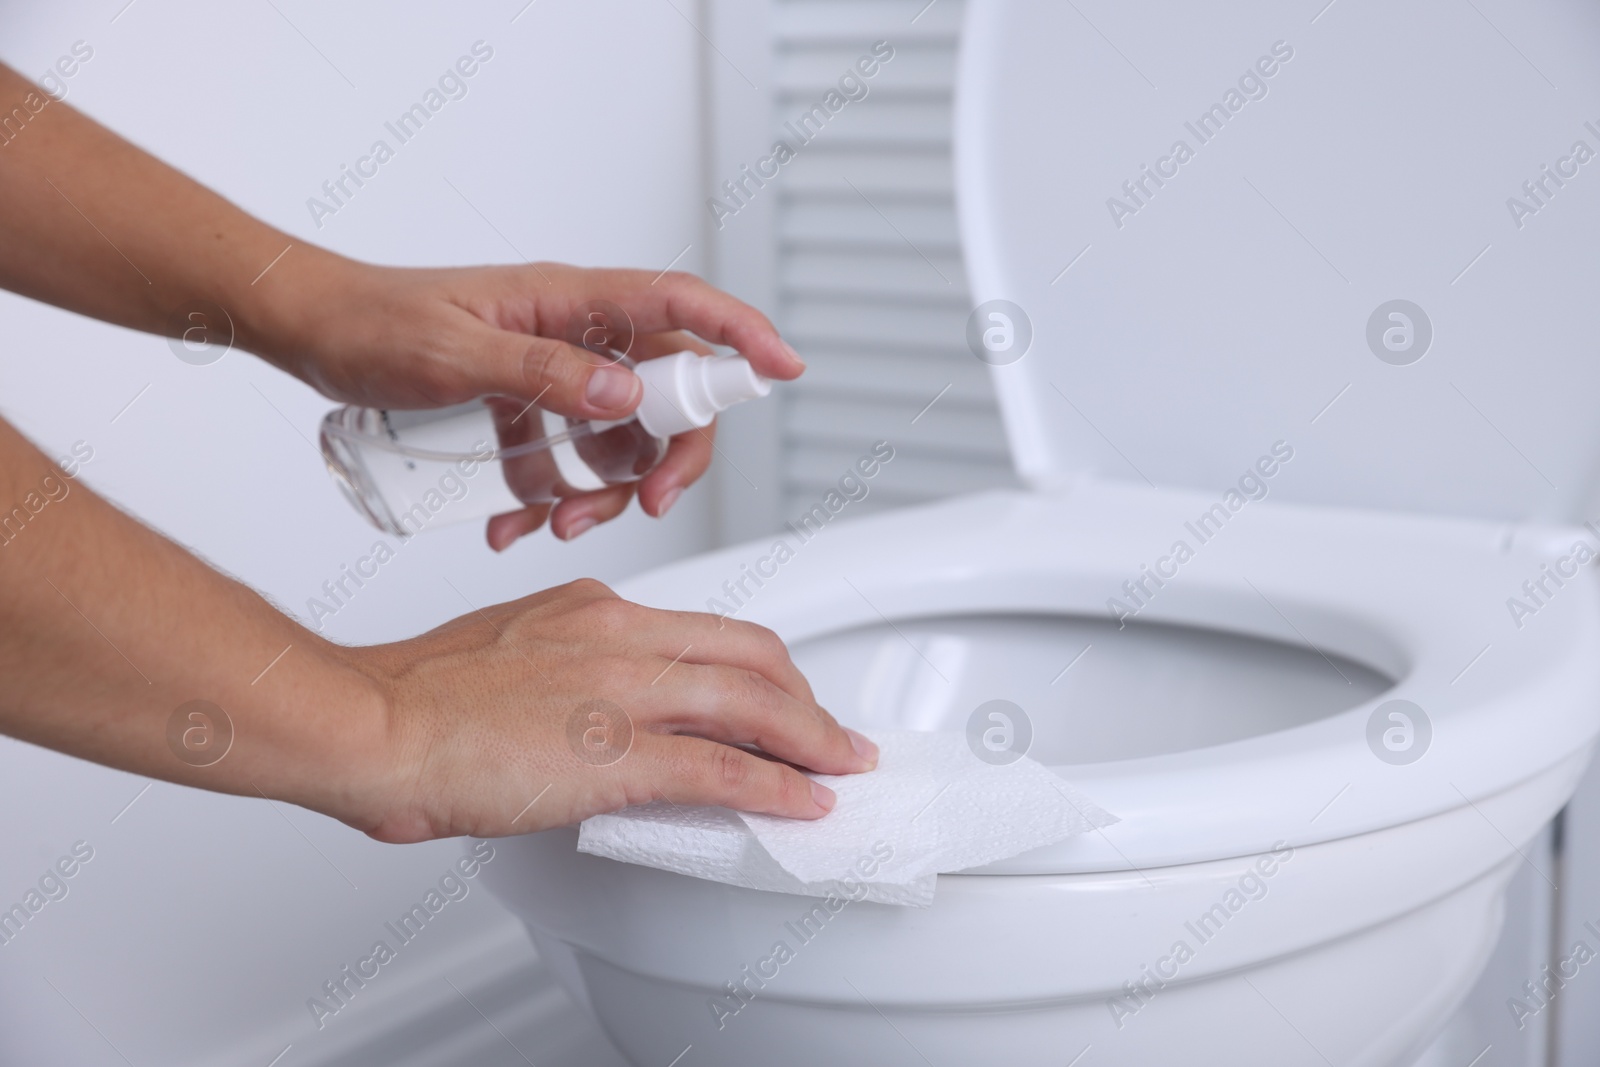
x: 489, y: 1002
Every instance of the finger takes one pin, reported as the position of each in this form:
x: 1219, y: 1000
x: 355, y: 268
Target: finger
x: 678, y: 301
x: 564, y: 378
x: 696, y: 637
x: 655, y: 345
x: 688, y: 457
x: 504, y: 529
x: 740, y: 707
x: 690, y: 771
x: 689, y: 454
x: 577, y: 515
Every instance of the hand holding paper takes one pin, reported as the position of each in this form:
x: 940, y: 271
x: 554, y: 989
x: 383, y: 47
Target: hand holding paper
x: 930, y: 808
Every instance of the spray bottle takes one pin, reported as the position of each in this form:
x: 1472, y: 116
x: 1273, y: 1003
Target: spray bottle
x: 405, y: 470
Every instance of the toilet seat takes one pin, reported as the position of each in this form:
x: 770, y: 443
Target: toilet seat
x: 1419, y: 599
x: 618, y: 913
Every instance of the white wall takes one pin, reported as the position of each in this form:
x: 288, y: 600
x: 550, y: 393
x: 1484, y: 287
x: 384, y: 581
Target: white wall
x: 203, y: 923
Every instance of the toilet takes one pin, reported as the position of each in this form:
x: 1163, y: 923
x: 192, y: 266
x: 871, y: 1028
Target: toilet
x: 1298, y: 587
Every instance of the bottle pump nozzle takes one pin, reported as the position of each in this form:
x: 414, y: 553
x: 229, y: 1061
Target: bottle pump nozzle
x: 686, y: 390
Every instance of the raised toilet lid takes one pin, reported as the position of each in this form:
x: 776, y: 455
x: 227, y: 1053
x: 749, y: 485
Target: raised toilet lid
x: 1320, y: 162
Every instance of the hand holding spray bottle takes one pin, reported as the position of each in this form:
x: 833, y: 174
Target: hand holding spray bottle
x: 406, y: 469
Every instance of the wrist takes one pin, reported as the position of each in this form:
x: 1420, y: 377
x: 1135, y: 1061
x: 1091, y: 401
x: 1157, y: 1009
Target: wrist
x: 336, y: 748
x: 384, y: 797
x: 290, y: 314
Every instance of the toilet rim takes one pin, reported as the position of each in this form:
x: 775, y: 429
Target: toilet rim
x: 1420, y: 599
x: 1095, y: 927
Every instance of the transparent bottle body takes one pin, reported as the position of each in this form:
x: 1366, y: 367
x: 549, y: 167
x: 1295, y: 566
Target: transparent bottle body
x: 407, y: 470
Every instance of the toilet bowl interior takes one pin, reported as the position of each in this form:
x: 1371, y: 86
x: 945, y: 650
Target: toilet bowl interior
x: 1091, y: 692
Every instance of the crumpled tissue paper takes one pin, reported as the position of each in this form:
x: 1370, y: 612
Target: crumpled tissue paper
x: 930, y: 807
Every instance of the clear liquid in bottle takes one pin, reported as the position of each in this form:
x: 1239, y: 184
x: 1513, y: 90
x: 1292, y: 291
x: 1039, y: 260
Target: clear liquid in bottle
x: 408, y: 470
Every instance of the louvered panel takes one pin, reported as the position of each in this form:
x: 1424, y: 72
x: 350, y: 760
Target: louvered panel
x: 803, y: 75
x: 892, y: 273
x: 895, y: 376
x: 944, y: 429
x: 883, y: 121
x: 925, y: 176
x: 896, y: 327
x: 908, y: 479
x: 810, y: 221
x: 870, y: 282
x: 868, y: 20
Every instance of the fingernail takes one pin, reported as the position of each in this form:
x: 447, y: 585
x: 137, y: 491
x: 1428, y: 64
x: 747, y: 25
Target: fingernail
x: 823, y: 796
x: 789, y: 349
x: 864, y: 747
x: 669, y: 498
x: 611, y: 387
x: 579, y: 527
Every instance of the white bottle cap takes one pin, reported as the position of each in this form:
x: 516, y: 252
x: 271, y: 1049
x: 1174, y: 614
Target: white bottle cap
x: 684, y: 391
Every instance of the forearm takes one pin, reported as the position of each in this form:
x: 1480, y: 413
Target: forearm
x: 96, y: 225
x: 106, y: 628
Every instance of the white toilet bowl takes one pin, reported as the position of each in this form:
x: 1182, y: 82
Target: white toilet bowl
x: 1228, y: 727
x: 1317, y: 350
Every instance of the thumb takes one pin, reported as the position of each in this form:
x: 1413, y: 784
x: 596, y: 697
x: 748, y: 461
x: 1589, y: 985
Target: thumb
x: 564, y: 378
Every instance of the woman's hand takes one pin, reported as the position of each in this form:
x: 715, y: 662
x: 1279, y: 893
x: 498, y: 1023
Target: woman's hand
x: 517, y: 717
x: 419, y: 338
x: 387, y: 337
x: 571, y: 702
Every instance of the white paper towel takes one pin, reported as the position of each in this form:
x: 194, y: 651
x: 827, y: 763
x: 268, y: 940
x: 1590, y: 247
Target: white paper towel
x: 929, y: 808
